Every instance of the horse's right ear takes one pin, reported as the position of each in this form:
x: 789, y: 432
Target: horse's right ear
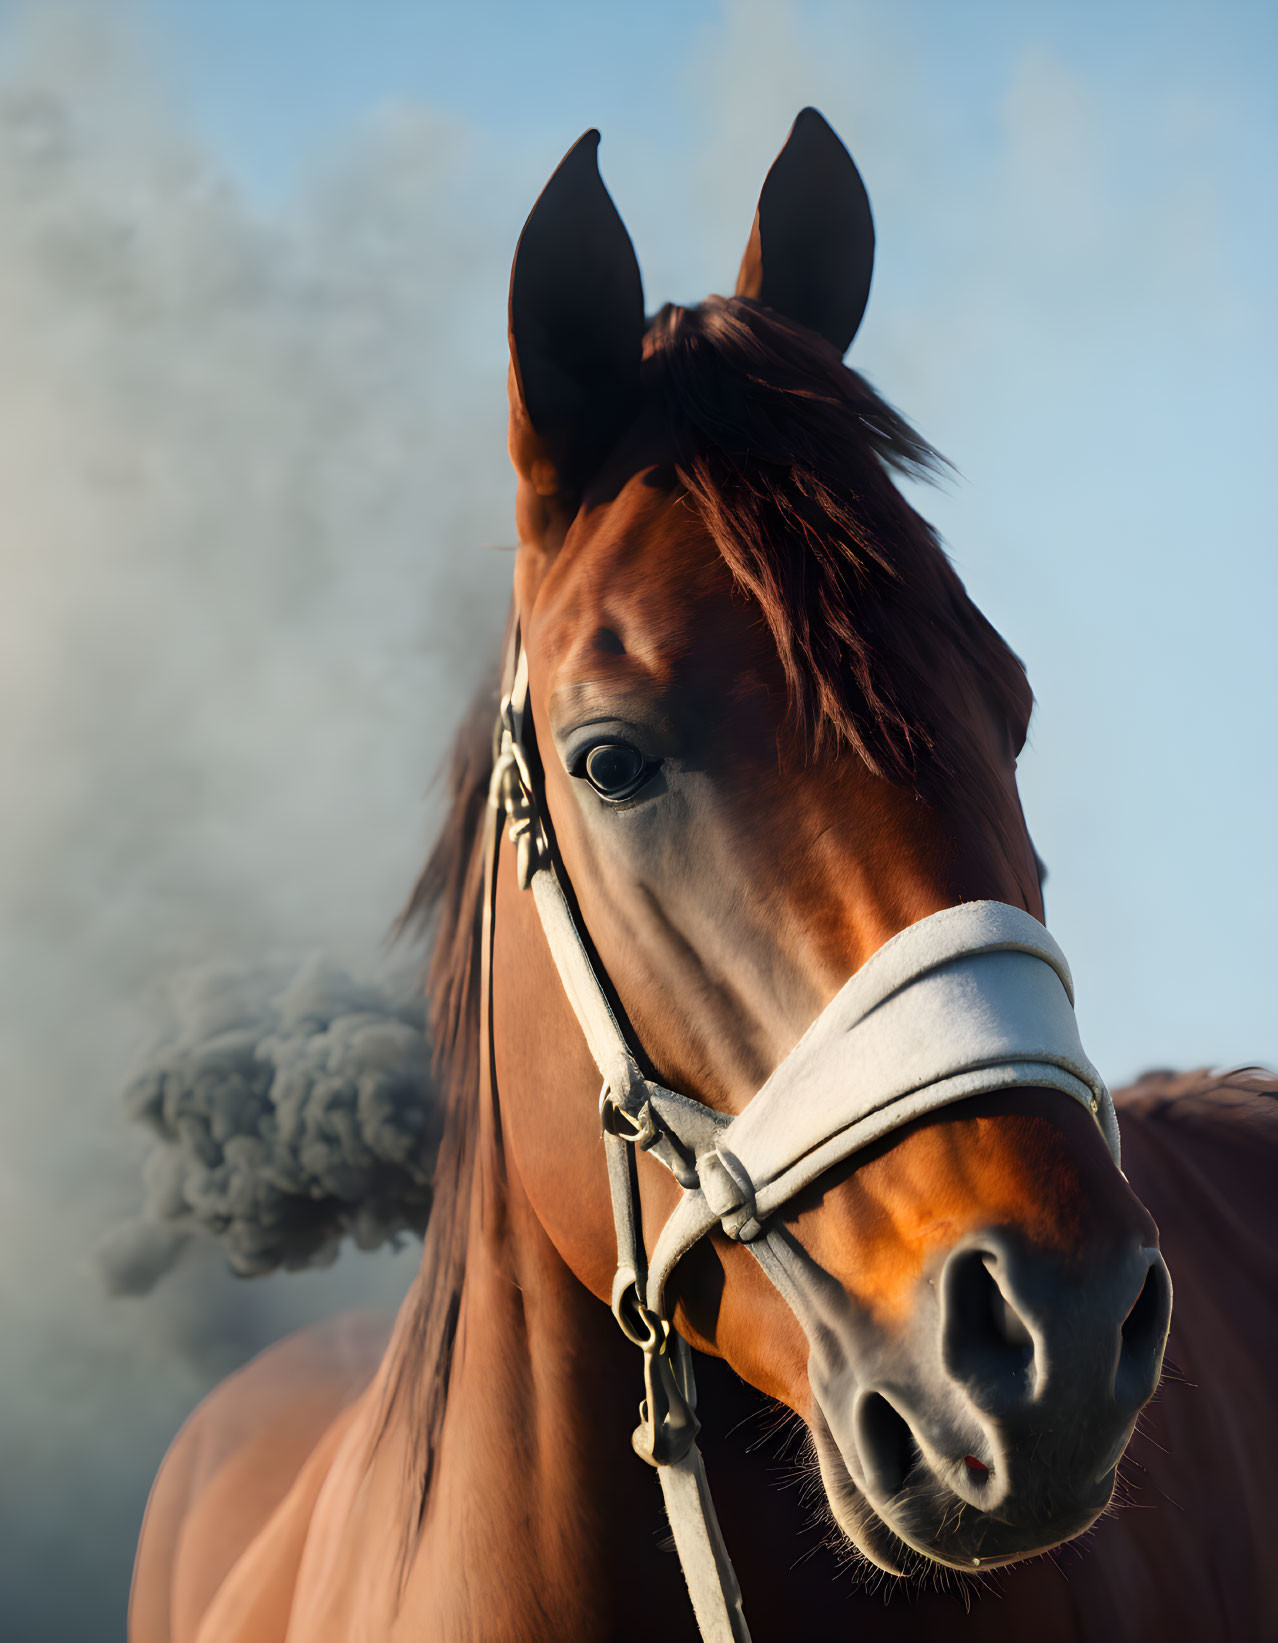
x: 576, y: 326
x: 811, y: 252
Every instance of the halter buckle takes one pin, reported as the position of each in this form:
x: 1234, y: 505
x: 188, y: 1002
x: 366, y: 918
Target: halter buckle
x: 639, y: 1128
x: 509, y: 791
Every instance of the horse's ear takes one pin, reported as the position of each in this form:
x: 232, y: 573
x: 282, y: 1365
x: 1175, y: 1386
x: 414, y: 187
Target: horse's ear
x: 811, y: 251
x: 576, y: 320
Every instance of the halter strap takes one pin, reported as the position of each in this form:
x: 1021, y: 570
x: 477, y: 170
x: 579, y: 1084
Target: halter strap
x: 973, y: 999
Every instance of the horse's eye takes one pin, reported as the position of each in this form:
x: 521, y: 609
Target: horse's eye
x: 614, y: 769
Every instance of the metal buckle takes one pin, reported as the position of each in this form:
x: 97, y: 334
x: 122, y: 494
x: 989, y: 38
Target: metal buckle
x: 509, y: 790
x: 638, y: 1128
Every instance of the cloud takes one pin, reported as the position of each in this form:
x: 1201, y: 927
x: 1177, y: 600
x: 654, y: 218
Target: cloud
x: 249, y: 465
x: 289, y: 1112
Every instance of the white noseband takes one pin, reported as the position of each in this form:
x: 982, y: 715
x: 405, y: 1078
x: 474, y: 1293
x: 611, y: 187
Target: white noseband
x: 974, y: 999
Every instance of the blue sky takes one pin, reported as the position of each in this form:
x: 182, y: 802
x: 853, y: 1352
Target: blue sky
x: 1075, y: 205
x: 271, y: 84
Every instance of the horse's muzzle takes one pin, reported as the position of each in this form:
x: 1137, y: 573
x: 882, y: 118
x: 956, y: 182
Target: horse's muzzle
x: 992, y: 1429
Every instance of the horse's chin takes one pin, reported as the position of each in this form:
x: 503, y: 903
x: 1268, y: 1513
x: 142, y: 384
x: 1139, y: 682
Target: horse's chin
x: 857, y: 1520
x: 897, y: 1548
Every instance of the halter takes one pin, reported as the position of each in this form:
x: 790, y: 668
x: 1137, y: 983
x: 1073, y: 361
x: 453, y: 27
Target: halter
x: 973, y: 999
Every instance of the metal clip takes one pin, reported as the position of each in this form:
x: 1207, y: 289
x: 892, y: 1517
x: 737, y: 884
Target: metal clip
x: 668, y: 1425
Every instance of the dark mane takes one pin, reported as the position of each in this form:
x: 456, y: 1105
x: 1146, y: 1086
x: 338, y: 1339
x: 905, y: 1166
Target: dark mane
x: 446, y: 905
x: 788, y: 457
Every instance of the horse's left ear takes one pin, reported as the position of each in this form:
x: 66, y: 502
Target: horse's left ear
x: 576, y: 324
x: 811, y: 252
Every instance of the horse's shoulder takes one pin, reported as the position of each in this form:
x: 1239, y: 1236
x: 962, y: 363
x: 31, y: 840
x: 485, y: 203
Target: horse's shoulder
x: 1202, y: 1146
x: 233, y: 1463
x: 1244, y: 1097
x: 1201, y: 1150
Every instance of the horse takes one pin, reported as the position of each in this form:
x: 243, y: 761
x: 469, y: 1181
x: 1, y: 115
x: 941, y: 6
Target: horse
x: 755, y: 747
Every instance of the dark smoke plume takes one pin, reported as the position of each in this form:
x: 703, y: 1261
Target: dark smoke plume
x: 289, y: 1111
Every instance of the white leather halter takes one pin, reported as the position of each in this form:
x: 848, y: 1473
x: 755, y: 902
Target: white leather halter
x: 973, y: 999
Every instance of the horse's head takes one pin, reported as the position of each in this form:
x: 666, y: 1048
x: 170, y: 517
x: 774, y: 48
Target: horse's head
x: 773, y: 732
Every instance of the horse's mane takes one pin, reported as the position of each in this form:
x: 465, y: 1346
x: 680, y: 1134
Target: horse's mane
x: 446, y: 904
x: 787, y: 456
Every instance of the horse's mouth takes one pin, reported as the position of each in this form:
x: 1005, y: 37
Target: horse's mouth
x: 925, y: 1524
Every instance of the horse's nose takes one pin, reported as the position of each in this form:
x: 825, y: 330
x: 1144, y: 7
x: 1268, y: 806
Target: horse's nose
x: 1045, y: 1362
x: 993, y: 1427
x: 1021, y: 1331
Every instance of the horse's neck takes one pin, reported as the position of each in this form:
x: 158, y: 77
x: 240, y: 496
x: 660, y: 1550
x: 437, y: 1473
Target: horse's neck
x: 540, y: 1521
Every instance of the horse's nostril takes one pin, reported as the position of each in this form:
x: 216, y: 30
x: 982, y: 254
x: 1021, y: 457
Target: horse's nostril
x: 886, y: 1445
x: 985, y: 1340
x: 1144, y: 1336
x: 1007, y: 1321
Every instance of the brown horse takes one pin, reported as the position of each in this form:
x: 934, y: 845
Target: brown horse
x: 771, y: 733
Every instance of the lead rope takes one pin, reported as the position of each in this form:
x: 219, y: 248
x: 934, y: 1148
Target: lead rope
x: 667, y: 1431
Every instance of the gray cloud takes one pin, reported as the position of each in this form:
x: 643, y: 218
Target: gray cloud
x: 248, y: 465
x: 288, y: 1112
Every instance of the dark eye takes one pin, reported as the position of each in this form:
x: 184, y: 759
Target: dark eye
x: 615, y: 769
